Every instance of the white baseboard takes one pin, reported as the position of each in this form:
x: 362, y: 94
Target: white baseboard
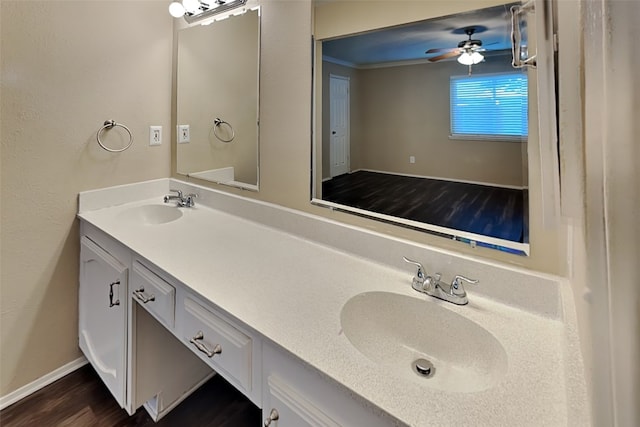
x: 439, y: 178
x: 43, y: 381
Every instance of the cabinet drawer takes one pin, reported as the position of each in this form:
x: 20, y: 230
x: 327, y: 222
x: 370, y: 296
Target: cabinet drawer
x: 225, y: 348
x: 292, y: 408
x: 154, y: 293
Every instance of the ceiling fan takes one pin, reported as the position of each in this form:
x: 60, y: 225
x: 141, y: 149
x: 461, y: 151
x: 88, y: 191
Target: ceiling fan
x: 468, y: 51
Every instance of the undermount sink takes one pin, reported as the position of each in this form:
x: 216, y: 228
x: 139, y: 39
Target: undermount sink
x: 398, y: 332
x: 152, y: 214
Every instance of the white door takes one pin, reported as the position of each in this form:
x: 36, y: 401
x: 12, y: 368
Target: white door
x: 102, y: 315
x: 339, y: 125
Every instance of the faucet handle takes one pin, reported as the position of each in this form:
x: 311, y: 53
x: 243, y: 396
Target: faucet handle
x: 456, y: 285
x: 189, y: 199
x: 419, y: 278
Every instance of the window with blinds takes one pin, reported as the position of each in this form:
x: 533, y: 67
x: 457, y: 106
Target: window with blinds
x: 489, y: 106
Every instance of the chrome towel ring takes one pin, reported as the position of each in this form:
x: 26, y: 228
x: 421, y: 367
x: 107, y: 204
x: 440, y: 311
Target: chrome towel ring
x: 219, y: 122
x: 109, y: 124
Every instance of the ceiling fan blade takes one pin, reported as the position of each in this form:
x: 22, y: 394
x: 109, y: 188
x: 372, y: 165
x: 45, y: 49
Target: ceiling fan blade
x: 445, y: 56
x: 441, y: 50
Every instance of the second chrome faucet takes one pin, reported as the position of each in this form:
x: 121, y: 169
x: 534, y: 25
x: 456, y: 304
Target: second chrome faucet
x: 453, y: 293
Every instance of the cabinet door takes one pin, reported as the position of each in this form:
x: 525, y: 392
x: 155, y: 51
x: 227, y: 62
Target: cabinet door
x: 296, y: 395
x: 285, y: 406
x: 103, y: 315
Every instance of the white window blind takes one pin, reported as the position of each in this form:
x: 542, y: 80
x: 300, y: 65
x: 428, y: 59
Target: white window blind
x: 489, y: 106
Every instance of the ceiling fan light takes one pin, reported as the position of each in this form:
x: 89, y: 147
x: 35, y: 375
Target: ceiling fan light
x: 470, y: 58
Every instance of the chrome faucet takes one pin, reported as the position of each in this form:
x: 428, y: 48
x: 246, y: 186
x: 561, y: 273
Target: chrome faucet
x: 432, y: 286
x: 182, y: 201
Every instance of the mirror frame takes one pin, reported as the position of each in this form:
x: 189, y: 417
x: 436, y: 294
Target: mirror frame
x: 248, y: 7
x: 472, y: 239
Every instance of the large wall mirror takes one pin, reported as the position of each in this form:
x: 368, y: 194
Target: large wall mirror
x: 410, y: 129
x: 217, y: 100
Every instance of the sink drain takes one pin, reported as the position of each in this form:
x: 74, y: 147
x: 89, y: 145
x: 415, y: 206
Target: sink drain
x: 424, y: 368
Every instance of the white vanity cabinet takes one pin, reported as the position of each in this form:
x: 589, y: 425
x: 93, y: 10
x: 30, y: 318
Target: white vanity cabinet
x: 153, y: 341
x: 103, y: 315
x: 296, y: 395
x: 132, y: 346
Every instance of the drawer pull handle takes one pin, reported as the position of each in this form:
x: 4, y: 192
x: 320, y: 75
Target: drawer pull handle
x: 203, y: 348
x: 273, y: 416
x: 140, y: 295
x: 111, y: 301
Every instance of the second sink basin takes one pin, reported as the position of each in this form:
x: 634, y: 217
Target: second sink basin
x: 152, y: 214
x: 395, y: 331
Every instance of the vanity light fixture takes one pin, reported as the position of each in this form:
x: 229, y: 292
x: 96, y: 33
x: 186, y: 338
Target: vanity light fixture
x: 470, y: 58
x: 195, y: 10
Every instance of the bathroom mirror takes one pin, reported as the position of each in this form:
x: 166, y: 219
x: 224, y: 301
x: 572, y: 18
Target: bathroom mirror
x: 405, y: 133
x: 217, y: 100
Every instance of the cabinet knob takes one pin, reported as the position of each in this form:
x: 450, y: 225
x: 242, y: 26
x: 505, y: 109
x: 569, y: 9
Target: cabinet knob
x: 273, y: 416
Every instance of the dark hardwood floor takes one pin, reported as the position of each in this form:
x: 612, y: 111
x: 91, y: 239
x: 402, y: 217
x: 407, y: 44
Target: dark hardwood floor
x: 490, y: 211
x: 80, y: 399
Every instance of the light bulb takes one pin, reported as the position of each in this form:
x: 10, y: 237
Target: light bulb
x: 465, y: 59
x: 470, y: 58
x: 176, y: 9
x: 192, y: 6
x: 476, y: 57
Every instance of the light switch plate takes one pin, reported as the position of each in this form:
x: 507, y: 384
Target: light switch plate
x: 184, y: 134
x: 155, y: 135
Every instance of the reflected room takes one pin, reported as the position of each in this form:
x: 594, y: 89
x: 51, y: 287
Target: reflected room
x: 426, y: 125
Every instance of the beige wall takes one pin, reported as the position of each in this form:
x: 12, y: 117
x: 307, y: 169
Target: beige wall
x: 403, y: 111
x: 217, y: 76
x: 340, y: 17
x: 601, y: 197
x: 66, y: 68
x: 606, y: 272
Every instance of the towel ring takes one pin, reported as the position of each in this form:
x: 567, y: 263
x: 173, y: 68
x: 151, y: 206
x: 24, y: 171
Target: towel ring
x: 109, y: 124
x: 218, y: 122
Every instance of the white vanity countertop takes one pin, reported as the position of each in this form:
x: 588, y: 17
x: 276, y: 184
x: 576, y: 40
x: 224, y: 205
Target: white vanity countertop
x: 292, y: 291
